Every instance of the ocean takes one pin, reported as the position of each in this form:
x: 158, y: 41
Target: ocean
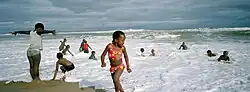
x: 171, y: 70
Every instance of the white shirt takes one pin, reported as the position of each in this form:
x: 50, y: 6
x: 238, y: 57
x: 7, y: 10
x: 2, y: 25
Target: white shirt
x: 35, y: 41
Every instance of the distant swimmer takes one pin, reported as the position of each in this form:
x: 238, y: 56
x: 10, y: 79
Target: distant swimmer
x: 210, y: 54
x: 142, y: 52
x: 67, y: 49
x: 84, y: 46
x: 92, y: 56
x: 66, y: 65
x: 61, y: 47
x: 183, y: 46
x: 224, y: 56
x: 152, y: 52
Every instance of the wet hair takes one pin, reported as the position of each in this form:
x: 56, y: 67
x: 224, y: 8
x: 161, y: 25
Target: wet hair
x: 142, y: 50
x: 225, y: 52
x: 64, y: 39
x: 152, y: 50
x: 67, y: 46
x: 59, y: 55
x: 209, y: 51
x: 92, y: 52
x: 39, y: 25
x: 117, y: 34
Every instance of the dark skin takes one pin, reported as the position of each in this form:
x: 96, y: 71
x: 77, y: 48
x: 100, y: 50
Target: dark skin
x: 39, y: 32
x: 117, y: 44
x: 61, y: 61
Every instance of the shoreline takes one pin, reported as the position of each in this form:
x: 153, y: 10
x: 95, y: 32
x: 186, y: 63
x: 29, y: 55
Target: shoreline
x: 45, y: 86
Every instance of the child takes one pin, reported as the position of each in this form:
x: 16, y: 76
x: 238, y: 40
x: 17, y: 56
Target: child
x: 115, y: 51
x: 93, y: 56
x: 66, y: 65
x: 142, y: 52
x: 67, y: 49
x: 184, y: 46
x: 85, y: 46
x: 61, y: 47
x: 210, y: 54
x: 224, y: 56
x: 152, y: 52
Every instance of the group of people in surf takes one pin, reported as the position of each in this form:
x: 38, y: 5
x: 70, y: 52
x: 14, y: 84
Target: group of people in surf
x: 224, y: 56
x: 116, y: 50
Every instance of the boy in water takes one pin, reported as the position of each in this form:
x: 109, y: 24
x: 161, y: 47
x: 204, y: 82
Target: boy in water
x: 85, y: 46
x: 224, y: 56
x: 115, y: 51
x: 142, y: 52
x: 61, y: 47
x: 67, y: 49
x: 184, y: 46
x: 92, y: 56
x: 66, y: 65
x: 210, y: 54
x: 152, y: 52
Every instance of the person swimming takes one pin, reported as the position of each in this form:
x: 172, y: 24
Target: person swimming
x: 142, y: 52
x: 210, y: 54
x: 66, y: 65
x: 224, y: 56
x: 67, y: 49
x: 152, y: 52
x: 92, y: 56
x: 183, y: 46
x: 61, y: 47
x: 84, y: 46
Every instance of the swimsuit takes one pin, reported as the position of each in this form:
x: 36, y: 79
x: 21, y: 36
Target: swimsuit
x: 66, y: 68
x: 115, y: 55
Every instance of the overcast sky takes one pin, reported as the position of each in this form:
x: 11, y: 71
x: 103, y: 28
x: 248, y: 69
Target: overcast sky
x: 123, y: 14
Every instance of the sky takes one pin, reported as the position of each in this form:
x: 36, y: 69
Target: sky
x: 67, y: 15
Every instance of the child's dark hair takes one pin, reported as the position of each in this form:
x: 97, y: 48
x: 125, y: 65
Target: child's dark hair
x: 39, y: 25
x: 209, y: 51
x: 142, y: 50
x: 59, y: 55
x: 117, y: 34
x: 92, y: 52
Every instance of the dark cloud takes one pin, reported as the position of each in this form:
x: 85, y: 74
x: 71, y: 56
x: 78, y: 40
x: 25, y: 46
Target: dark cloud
x: 122, y: 14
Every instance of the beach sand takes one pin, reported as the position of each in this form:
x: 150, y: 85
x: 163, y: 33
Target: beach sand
x: 45, y: 86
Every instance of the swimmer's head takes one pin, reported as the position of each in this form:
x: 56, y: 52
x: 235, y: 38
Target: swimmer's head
x: 119, y: 38
x: 225, y: 53
x: 152, y: 51
x: 209, y: 51
x: 67, y: 46
x: 64, y: 40
x: 142, y: 50
x: 183, y: 42
x: 93, y: 52
x: 59, y: 55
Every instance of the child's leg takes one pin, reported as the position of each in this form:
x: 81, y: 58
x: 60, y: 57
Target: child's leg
x: 116, y: 80
x: 36, y: 61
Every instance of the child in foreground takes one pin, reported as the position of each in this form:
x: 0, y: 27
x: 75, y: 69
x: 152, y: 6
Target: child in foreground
x: 66, y: 65
x: 115, y: 51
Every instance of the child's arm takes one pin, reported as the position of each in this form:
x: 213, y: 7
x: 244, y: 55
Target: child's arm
x: 126, y: 59
x: 103, y: 55
x: 57, y: 65
x: 89, y: 47
x: 70, y: 53
x: 180, y: 47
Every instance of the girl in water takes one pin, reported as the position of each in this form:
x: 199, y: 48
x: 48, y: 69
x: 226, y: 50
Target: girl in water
x: 115, y: 51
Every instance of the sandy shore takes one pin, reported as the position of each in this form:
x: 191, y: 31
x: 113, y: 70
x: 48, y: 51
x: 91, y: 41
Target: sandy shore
x: 45, y: 86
